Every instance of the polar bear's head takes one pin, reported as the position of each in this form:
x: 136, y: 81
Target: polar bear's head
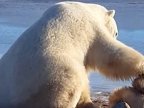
x: 111, y: 24
x: 104, y: 19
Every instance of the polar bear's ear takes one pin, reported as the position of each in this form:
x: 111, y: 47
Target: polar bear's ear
x: 111, y: 13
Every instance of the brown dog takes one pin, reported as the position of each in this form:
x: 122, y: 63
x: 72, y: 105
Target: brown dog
x: 129, y: 97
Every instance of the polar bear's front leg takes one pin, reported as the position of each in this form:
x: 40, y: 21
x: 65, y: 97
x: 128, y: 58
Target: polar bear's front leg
x: 114, y: 59
x: 85, y: 99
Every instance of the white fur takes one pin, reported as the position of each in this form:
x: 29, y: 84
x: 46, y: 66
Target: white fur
x: 55, y: 54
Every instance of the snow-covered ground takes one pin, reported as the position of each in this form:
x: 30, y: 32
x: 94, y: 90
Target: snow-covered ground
x: 17, y: 15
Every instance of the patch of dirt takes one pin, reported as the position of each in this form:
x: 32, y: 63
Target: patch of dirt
x: 100, y: 99
x: 100, y: 103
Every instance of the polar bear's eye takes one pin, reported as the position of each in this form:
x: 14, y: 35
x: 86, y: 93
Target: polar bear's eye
x: 116, y: 35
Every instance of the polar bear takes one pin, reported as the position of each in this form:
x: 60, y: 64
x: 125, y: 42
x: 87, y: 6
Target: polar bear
x: 129, y: 97
x: 48, y: 66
